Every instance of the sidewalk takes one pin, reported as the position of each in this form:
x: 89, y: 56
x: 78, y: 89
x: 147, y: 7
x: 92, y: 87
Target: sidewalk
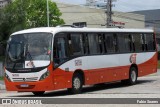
x: 1, y: 69
x: 2, y: 86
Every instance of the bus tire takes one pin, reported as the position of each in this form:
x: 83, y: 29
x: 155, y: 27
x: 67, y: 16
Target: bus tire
x: 132, y: 77
x: 77, y: 83
x: 38, y: 93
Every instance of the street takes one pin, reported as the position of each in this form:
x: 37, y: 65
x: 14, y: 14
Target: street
x: 146, y: 87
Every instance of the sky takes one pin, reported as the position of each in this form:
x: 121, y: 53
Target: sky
x: 123, y: 5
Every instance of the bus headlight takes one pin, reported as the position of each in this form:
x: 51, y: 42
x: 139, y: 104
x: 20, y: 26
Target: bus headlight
x: 45, y: 75
x: 7, y: 77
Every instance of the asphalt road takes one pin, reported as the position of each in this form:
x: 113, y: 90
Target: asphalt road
x: 1, y: 82
x: 1, y: 72
x: 146, y: 87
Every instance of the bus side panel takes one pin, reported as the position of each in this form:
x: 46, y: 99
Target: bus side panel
x: 106, y: 75
x: 148, y: 67
x: 62, y: 79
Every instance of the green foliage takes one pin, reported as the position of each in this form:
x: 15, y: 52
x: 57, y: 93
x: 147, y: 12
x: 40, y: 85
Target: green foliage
x: 23, y: 14
x: 1, y: 78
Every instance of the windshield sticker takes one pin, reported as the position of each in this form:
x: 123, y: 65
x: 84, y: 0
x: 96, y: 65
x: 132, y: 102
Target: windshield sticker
x: 30, y: 64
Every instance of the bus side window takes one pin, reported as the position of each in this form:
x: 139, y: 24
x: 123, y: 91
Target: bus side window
x: 124, y: 41
x: 93, y: 43
x: 137, y: 42
x: 111, y: 43
x: 85, y: 44
x: 77, y: 43
x: 143, y: 42
x: 60, y: 49
x: 101, y: 43
x: 149, y: 42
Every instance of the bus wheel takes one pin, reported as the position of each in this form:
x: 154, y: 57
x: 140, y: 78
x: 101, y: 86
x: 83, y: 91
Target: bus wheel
x: 76, y: 84
x: 133, y: 76
x: 38, y: 93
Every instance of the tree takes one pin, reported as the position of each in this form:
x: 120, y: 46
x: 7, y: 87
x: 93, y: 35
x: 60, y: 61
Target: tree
x: 22, y: 14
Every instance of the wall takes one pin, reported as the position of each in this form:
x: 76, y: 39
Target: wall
x: 96, y: 17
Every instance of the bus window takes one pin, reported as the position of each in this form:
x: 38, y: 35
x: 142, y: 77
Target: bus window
x: 137, y: 42
x: 60, y: 49
x: 125, y: 44
x: 93, y: 44
x: 101, y: 43
x: 149, y: 42
x: 111, y: 43
x: 85, y: 44
x: 77, y: 44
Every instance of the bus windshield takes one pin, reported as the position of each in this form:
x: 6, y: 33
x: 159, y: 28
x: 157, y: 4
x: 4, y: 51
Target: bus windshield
x: 29, y: 50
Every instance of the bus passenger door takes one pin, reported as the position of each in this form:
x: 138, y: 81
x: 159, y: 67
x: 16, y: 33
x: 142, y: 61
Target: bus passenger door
x: 125, y: 49
x: 60, y: 56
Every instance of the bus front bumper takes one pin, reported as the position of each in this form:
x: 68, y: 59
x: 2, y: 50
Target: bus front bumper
x: 29, y: 86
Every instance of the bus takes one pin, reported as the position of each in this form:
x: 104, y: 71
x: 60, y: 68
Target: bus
x: 52, y: 58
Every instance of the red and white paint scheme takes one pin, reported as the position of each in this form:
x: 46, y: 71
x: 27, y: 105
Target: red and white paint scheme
x: 73, y: 57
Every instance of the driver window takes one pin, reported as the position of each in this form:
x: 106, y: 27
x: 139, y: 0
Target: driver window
x: 60, y: 49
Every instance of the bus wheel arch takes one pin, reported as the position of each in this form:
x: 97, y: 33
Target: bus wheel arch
x: 80, y: 72
x: 134, y: 66
x: 77, y: 82
x: 133, y: 75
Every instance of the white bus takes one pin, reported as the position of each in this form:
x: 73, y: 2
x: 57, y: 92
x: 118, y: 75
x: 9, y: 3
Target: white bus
x: 51, y: 58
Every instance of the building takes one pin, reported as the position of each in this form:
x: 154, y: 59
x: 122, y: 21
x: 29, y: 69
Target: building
x: 3, y: 3
x: 152, y: 20
x: 96, y: 17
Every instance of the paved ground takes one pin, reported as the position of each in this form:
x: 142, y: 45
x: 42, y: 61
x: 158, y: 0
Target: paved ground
x: 147, y: 87
x: 1, y: 72
x: 1, y: 82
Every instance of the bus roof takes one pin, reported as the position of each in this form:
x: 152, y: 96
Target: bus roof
x: 85, y: 29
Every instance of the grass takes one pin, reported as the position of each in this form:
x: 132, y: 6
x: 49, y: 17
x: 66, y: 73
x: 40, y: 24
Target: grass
x: 1, y: 78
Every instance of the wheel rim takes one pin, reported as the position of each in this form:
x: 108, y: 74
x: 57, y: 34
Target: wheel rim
x: 76, y: 83
x: 133, y: 76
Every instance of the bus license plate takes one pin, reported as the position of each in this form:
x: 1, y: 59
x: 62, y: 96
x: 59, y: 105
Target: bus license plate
x: 24, y: 85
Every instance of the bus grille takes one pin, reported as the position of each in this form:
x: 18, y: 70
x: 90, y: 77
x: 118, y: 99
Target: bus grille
x: 31, y: 79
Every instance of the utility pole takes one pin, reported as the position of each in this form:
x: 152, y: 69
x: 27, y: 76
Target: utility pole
x: 47, y: 14
x: 109, y: 13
